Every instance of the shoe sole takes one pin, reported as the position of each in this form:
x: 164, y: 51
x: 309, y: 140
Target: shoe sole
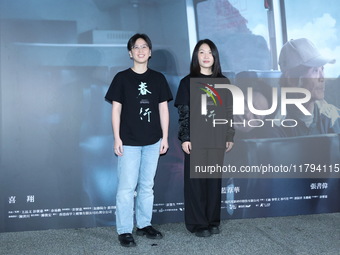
x: 128, y: 245
x: 203, y: 235
x: 148, y: 236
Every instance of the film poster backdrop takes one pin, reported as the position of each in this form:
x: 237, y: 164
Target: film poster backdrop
x: 57, y: 167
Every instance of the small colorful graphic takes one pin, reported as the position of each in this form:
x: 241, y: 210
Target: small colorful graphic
x: 212, y: 93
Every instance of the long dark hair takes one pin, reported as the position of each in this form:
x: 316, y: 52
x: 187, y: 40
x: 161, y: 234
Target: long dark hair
x: 195, y: 67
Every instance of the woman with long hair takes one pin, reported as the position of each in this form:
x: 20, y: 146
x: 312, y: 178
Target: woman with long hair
x: 202, y: 196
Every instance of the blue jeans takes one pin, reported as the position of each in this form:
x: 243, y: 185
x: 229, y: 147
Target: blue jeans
x: 136, y: 171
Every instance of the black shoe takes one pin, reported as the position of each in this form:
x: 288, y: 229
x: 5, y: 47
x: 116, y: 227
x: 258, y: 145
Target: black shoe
x: 204, y: 232
x: 126, y: 240
x: 214, y: 230
x: 149, y: 232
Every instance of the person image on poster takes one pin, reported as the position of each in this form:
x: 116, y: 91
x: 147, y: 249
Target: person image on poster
x: 302, y: 66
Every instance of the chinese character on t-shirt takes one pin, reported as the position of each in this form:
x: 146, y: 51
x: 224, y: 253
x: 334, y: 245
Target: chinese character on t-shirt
x: 143, y: 89
x: 145, y: 112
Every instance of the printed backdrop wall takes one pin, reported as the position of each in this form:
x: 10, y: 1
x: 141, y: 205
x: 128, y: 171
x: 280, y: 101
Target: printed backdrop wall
x: 58, y: 58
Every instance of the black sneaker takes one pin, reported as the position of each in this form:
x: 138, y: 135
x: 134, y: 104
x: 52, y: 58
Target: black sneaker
x: 214, y: 230
x: 203, y: 232
x: 126, y: 240
x: 149, y: 232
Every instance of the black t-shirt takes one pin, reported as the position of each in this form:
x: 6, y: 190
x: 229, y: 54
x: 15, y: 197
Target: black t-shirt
x: 140, y: 95
x: 202, y: 134
x: 183, y: 92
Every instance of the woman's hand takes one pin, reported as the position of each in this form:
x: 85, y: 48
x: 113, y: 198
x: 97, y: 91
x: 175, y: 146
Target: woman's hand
x: 229, y: 146
x: 186, y: 147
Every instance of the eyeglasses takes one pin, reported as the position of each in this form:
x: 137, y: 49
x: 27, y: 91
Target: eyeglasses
x: 142, y: 47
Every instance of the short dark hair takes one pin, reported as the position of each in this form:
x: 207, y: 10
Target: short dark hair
x: 135, y: 37
x: 195, y: 67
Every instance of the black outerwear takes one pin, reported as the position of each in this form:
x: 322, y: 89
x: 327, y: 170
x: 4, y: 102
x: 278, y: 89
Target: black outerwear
x: 220, y: 133
x: 202, y: 196
x: 140, y: 95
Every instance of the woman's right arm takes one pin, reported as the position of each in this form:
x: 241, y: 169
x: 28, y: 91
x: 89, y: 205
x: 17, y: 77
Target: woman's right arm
x: 184, y: 127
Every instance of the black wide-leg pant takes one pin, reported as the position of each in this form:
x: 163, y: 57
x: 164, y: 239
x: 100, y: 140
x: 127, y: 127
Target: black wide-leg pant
x: 202, y: 196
